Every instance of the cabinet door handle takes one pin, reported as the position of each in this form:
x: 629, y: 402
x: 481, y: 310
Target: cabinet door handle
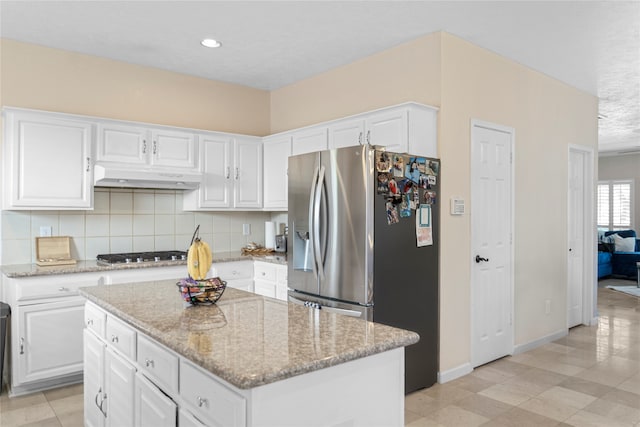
x: 202, y: 402
x: 368, y: 137
x: 114, y: 339
x: 63, y: 289
x: 360, y: 139
x: 89, y: 322
x: 228, y: 172
x: 155, y: 147
x: 21, y: 345
x: 237, y: 173
x: 99, y: 405
x: 149, y: 363
x: 88, y: 164
x: 103, y: 410
x: 144, y: 146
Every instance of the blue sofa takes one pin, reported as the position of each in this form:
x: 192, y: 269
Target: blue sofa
x: 623, y: 264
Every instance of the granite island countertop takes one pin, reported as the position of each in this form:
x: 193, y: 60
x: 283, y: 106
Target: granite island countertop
x: 15, y: 271
x: 246, y: 339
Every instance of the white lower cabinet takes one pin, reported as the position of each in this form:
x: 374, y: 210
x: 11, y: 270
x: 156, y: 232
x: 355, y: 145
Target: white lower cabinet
x: 237, y: 274
x: 94, y: 395
x: 270, y: 280
x: 153, y: 408
x: 119, y: 389
x: 208, y: 399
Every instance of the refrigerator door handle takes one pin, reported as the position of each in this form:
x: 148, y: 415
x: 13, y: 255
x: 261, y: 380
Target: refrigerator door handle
x: 312, y: 198
x: 317, y: 202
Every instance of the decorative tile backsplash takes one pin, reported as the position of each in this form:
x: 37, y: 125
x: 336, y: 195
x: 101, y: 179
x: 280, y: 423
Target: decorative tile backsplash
x: 125, y: 220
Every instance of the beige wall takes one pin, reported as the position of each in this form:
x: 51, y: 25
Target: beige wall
x: 547, y: 116
x: 409, y: 72
x: 468, y: 82
x: 50, y: 79
x: 624, y: 167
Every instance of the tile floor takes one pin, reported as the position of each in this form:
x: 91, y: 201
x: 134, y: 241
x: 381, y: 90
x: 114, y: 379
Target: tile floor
x: 589, y: 378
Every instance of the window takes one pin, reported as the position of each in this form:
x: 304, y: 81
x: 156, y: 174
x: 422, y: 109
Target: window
x: 614, y: 205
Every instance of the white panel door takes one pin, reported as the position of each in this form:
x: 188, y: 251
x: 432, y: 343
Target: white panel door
x: 491, y: 216
x: 153, y: 407
x: 346, y: 133
x: 309, y: 140
x: 173, y: 149
x: 122, y: 144
x: 50, y: 339
x: 276, y: 162
x: 50, y: 162
x: 93, y: 380
x: 217, y: 185
x: 247, y: 173
x: 120, y: 390
x: 576, y: 225
x: 389, y: 129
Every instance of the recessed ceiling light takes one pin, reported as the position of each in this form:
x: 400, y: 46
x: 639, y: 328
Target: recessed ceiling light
x: 210, y: 43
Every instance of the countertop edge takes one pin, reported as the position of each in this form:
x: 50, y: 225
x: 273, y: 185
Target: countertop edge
x: 18, y: 271
x: 403, y: 339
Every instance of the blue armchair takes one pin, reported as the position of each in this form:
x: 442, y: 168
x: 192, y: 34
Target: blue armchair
x: 623, y: 264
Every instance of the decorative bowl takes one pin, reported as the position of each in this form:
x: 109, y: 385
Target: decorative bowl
x: 206, y: 291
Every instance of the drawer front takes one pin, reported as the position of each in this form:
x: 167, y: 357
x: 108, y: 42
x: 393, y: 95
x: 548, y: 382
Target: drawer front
x: 121, y: 337
x: 264, y: 271
x: 158, y: 363
x: 95, y: 319
x: 232, y: 270
x: 281, y: 274
x: 52, y: 286
x: 209, y: 400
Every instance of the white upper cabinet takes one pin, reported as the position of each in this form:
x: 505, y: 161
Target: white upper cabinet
x: 137, y: 145
x: 232, y: 170
x: 389, y: 129
x: 277, y: 150
x: 47, y: 161
x: 310, y: 139
x: 346, y: 133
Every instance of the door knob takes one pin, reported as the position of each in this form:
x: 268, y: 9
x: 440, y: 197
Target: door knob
x: 480, y: 259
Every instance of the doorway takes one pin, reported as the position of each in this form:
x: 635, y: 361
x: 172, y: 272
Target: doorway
x: 492, y: 241
x: 581, y: 289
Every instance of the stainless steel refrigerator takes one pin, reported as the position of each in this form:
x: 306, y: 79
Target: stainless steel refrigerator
x: 353, y: 243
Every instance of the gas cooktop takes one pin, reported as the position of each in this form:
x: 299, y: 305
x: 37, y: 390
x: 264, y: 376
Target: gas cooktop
x: 141, y: 257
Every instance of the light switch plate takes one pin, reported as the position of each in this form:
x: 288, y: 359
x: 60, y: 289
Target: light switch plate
x: 45, y: 230
x: 246, y: 229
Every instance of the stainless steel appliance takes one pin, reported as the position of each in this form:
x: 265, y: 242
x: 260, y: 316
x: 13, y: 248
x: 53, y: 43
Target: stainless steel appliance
x: 347, y: 255
x: 141, y: 257
x: 281, y: 243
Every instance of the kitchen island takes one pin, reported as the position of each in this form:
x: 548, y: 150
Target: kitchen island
x: 247, y: 360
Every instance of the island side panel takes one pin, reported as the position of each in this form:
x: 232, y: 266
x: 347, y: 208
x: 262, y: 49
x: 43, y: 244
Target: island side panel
x: 364, y: 392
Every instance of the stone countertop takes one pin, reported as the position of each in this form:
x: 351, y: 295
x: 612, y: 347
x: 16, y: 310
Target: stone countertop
x: 89, y: 266
x: 246, y: 339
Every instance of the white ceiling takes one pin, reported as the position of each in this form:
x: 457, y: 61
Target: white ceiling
x: 591, y: 45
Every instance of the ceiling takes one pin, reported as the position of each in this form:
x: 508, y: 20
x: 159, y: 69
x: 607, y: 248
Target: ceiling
x: 591, y: 45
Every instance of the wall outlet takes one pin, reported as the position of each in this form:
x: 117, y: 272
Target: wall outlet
x: 547, y: 306
x: 246, y: 229
x: 46, y: 231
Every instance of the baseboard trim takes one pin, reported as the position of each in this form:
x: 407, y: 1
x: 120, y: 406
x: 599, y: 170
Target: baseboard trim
x: 521, y: 348
x: 454, y: 373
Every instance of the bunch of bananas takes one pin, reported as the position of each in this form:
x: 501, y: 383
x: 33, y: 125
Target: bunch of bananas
x: 199, y: 259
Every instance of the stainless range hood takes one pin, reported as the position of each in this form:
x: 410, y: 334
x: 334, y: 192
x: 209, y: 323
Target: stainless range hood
x: 110, y: 176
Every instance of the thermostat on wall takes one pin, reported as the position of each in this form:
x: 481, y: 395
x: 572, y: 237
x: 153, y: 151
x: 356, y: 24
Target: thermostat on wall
x: 457, y: 206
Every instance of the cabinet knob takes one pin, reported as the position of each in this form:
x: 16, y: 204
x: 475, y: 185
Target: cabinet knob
x: 149, y: 363
x: 114, y: 338
x: 63, y: 289
x: 264, y: 274
x: 202, y: 402
x: 89, y: 322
